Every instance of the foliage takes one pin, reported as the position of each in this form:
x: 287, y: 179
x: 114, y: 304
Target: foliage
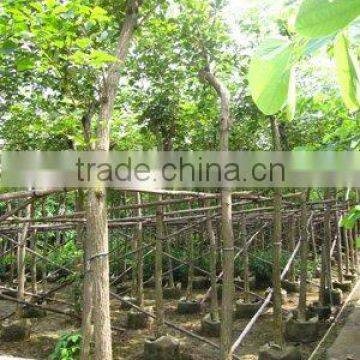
x: 349, y: 220
x: 65, y: 255
x: 67, y: 348
x: 260, y: 263
x: 317, y: 18
x: 270, y: 81
x: 271, y: 77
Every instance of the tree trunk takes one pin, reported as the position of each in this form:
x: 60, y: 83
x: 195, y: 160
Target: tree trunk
x: 86, y: 323
x: 327, y: 242
x: 277, y: 231
x: 62, y: 210
x: 159, y: 310
x: 245, y: 256
x: 339, y: 249
x: 291, y: 243
x: 134, y: 249
x: 140, y: 256
x: 190, y: 261
x: 170, y: 263
x: 97, y: 224
x: 33, y: 263
x: 303, y: 258
x: 214, y: 310
x: 21, y: 260
x: 44, y: 252
x: 313, y: 241
x: 227, y: 235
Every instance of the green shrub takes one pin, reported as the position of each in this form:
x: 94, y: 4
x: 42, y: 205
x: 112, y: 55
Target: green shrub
x: 67, y: 348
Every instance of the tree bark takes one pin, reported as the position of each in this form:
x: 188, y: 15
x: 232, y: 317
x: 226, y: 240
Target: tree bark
x: 243, y: 235
x: 214, y: 310
x: 291, y: 245
x: 140, y: 256
x: 339, y: 249
x: 21, y: 249
x: 227, y: 235
x: 97, y: 223
x: 159, y: 309
x: 190, y: 261
x: 303, y: 259
x: 277, y: 232
x: 327, y: 242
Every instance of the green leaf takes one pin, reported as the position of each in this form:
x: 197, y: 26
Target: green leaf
x: 317, y: 18
x: 348, y: 72
x: 358, y: 242
x: 83, y: 42
x: 99, y: 14
x: 316, y: 44
x: 24, y: 64
x: 99, y: 58
x: 291, y: 101
x: 269, y: 75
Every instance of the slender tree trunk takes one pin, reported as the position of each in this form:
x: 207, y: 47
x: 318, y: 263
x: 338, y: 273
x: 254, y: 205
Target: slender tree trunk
x: 134, y: 249
x: 277, y: 231
x: 190, y: 261
x: 86, y: 323
x: 214, y: 309
x: 21, y: 261
x: 159, y: 309
x: 12, y: 265
x: 227, y: 235
x: 313, y: 241
x: 170, y: 263
x: 97, y: 224
x: 45, y: 245
x: 339, y: 250
x: 303, y: 258
x: 291, y: 243
x: 327, y: 243
x: 33, y: 263
x: 245, y: 256
x: 347, y: 252
x: 62, y: 210
x: 351, y: 249
x: 140, y: 256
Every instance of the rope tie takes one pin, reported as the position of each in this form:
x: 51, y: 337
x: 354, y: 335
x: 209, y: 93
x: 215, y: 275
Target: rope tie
x: 98, y: 255
x: 228, y: 248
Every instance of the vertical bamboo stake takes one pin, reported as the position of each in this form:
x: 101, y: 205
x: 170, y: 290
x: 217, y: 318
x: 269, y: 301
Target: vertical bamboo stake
x: 140, y: 256
x: 303, y: 258
x: 21, y: 261
x: 159, y: 310
x: 190, y: 261
x: 170, y: 263
x: 44, y: 252
x: 291, y: 243
x: 351, y: 249
x: 214, y: 312
x: 327, y: 244
x: 243, y: 236
x: 347, y: 251
x: 313, y: 241
x: 339, y: 249
x: 134, y: 249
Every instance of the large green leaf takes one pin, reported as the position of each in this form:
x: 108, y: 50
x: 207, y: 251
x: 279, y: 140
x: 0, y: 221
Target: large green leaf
x: 269, y: 75
x: 317, y: 18
x: 347, y: 72
x: 291, y: 99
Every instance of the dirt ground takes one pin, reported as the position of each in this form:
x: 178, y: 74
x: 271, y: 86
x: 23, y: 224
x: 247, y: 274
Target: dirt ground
x: 129, y: 344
